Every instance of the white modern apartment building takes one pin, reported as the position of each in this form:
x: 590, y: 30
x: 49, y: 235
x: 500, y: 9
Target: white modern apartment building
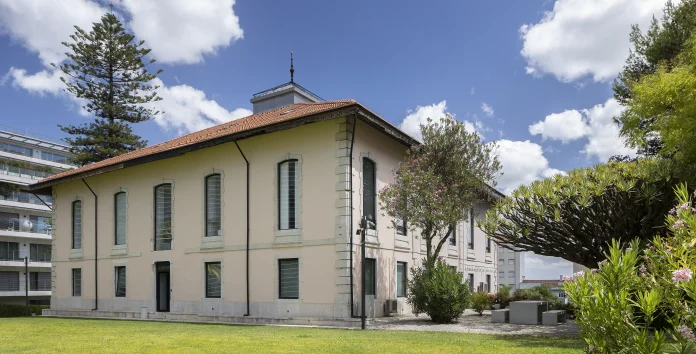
x: 510, y: 267
x: 25, y: 218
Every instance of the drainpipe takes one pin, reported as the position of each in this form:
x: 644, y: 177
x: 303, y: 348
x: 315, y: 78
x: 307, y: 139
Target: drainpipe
x: 247, y: 227
x: 350, y: 194
x: 96, y: 244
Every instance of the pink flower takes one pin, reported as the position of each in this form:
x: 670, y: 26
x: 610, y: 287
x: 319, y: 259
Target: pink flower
x: 679, y: 224
x: 686, y: 333
x: 681, y: 275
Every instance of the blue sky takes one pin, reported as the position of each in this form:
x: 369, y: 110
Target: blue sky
x: 543, y: 68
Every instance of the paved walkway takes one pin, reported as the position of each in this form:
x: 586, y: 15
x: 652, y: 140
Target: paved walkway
x: 471, y: 322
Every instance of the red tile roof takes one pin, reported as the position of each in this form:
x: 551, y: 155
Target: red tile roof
x: 284, y: 114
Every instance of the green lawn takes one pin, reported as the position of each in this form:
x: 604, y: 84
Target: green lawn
x: 53, y: 335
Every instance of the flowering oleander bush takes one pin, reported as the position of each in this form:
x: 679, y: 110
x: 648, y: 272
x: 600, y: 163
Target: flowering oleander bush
x: 642, y: 301
x: 438, y: 291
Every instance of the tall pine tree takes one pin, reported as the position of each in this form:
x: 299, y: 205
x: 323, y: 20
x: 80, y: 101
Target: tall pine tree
x: 107, y: 69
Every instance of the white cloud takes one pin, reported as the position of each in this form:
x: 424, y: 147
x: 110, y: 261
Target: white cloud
x: 604, y: 140
x: 565, y: 126
x: 596, y: 124
x: 43, y: 82
x: 412, y: 122
x: 183, y: 31
x: 187, y: 109
x: 488, y: 110
x: 523, y: 163
x: 585, y: 37
x: 473, y: 90
x: 41, y: 26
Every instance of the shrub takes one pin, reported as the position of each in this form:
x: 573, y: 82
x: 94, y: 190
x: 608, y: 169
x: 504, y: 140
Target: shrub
x: 539, y: 292
x: 637, y: 302
x: 438, y: 291
x: 503, y: 295
x: 19, y: 310
x: 480, y: 301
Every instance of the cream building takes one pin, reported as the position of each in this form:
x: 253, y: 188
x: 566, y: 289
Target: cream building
x: 246, y: 221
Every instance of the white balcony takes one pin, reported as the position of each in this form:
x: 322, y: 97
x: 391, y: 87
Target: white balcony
x: 34, y: 160
x: 20, y: 263
x: 25, y: 235
x: 24, y: 206
x: 22, y: 293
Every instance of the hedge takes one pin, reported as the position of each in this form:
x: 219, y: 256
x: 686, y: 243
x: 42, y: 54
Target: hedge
x: 19, y: 310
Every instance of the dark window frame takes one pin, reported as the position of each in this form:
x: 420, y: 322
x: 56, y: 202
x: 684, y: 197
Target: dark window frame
x: 76, y: 271
x: 374, y: 190
x: 372, y: 262
x: 125, y: 276
x: 404, y: 279
x: 171, y: 206
x: 116, y: 218
x: 294, y: 225
x: 471, y: 234
x: 488, y: 283
x: 280, y: 279
x: 205, y: 197
x: 74, y: 203
x: 453, y: 236
x: 470, y: 278
x: 207, y: 295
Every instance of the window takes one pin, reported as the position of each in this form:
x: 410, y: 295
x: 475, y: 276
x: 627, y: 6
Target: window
x: 77, y: 224
x: 9, y: 221
x: 213, y: 205
x: 370, y: 276
x: 40, y: 224
x: 369, y: 202
x: 213, y: 280
x: 501, y: 261
x: 54, y: 157
x: 511, y: 274
x: 9, y: 281
x: 9, y: 251
x: 16, y: 149
x: 39, y: 253
x: 77, y: 282
x: 471, y: 233
x: 400, y: 226
x: 120, y: 218
x: 453, y: 236
x: 471, y: 282
x: 488, y: 245
x: 163, y: 217
x: 40, y: 281
x: 501, y: 275
x: 511, y: 262
x: 120, y: 281
x: 488, y: 283
x: 289, y: 278
x: 401, y: 279
x: 288, y: 196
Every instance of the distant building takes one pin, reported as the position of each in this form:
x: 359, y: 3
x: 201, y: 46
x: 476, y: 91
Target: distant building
x: 510, y: 267
x: 25, y: 218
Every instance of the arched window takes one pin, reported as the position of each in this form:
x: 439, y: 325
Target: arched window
x: 213, y: 205
x: 77, y: 224
x: 288, y: 198
x: 163, y: 217
x: 369, y: 195
x: 120, y: 218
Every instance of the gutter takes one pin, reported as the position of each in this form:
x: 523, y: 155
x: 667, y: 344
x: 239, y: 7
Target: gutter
x: 247, y: 227
x: 350, y: 193
x: 96, y: 244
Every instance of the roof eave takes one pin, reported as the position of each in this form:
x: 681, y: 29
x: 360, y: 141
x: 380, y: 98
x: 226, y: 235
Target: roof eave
x: 354, y: 108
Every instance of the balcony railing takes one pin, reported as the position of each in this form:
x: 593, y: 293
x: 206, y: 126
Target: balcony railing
x: 39, y: 256
x: 13, y: 224
x: 10, y: 285
x: 40, y: 285
x: 10, y: 255
x: 24, y: 197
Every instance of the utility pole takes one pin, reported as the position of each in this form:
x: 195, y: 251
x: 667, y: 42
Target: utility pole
x: 26, y: 285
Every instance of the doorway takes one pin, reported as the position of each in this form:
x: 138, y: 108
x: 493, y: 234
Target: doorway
x: 163, y: 286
